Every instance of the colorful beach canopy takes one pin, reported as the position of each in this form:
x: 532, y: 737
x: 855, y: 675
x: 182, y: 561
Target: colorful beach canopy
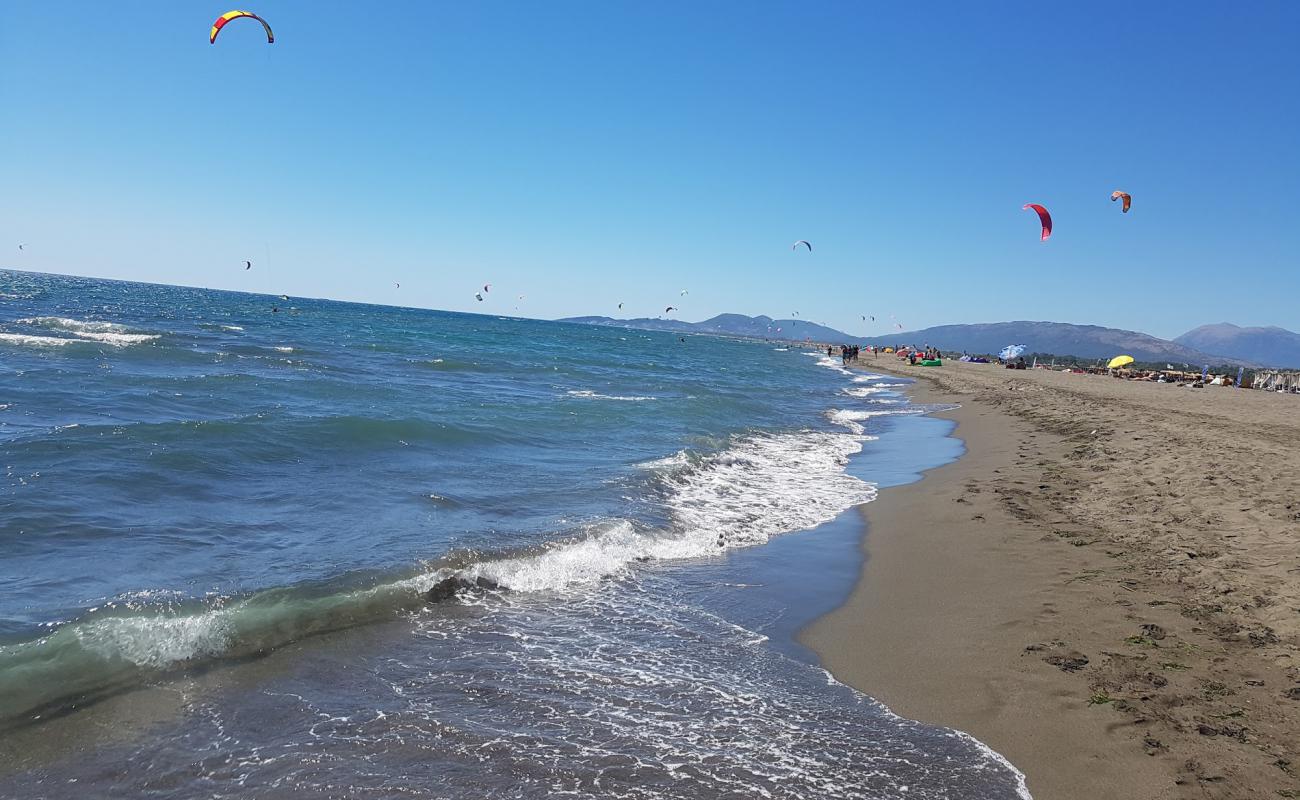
x: 229, y: 15
x: 1119, y: 361
x: 1043, y: 217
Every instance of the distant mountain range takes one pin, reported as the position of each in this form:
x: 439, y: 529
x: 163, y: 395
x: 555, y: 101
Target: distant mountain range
x: 729, y: 325
x: 1272, y: 346
x: 1211, y: 344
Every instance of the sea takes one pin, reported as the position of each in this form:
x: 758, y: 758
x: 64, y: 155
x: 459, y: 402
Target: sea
x: 222, y: 514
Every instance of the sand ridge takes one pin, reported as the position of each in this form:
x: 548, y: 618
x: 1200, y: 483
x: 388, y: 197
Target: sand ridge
x: 1106, y: 588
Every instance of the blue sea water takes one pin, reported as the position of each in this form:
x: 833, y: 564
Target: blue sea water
x: 220, y: 513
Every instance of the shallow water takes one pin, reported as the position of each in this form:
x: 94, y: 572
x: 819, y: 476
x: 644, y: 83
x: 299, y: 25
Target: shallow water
x: 218, y: 521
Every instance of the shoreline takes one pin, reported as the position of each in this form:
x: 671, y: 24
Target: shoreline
x: 989, y: 604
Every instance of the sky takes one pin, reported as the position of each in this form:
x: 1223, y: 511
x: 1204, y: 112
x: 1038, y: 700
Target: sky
x: 586, y: 154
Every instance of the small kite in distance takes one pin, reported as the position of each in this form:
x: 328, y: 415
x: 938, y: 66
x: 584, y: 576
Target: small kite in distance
x: 398, y: 285
x: 1128, y: 198
x: 229, y: 15
x: 478, y: 296
x: 20, y: 247
x: 684, y: 293
x: 487, y: 287
x: 284, y: 297
x: 669, y: 308
x: 1043, y: 217
x: 803, y: 242
x: 620, y: 306
x: 248, y: 265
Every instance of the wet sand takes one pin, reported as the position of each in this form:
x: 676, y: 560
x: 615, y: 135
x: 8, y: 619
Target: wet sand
x: 1105, y: 588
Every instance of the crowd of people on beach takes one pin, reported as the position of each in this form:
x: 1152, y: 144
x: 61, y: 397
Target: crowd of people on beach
x: 848, y: 352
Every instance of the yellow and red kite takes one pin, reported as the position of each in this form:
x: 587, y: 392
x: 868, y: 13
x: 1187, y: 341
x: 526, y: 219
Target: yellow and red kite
x: 229, y: 15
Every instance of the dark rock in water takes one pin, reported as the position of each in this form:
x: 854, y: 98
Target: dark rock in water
x: 447, y: 588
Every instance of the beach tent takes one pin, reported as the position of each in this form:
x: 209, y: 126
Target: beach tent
x: 1119, y: 361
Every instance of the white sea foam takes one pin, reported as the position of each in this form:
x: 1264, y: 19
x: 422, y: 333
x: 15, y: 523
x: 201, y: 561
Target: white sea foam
x: 852, y: 418
x: 590, y: 395
x: 761, y: 486
x: 74, y: 325
x: 111, y: 333
x: 284, y: 349
x: 231, y: 328
x: 863, y: 391
x: 35, y: 341
x: 117, y: 339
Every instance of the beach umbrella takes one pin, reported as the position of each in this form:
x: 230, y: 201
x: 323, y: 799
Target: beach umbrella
x: 1119, y: 361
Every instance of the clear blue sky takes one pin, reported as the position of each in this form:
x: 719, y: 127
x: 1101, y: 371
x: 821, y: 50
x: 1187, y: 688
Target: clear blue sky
x: 584, y: 154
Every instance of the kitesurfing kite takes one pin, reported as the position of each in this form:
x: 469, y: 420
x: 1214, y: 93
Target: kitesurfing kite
x: 229, y: 15
x: 1128, y: 198
x: 1043, y: 217
x: 398, y: 285
x: 1012, y: 351
x: 803, y: 242
x: 684, y: 293
x: 669, y: 308
x: 284, y: 297
x: 248, y: 265
x: 620, y: 306
x: 20, y: 247
x: 487, y: 287
x: 478, y: 297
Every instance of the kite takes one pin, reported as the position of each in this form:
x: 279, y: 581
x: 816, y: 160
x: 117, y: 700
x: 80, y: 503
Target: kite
x: 620, y: 306
x: 20, y: 247
x: 229, y: 15
x: 1128, y: 198
x: 669, y: 308
x: 803, y: 242
x: 398, y: 285
x: 1012, y: 351
x: 248, y: 265
x: 684, y: 293
x: 478, y: 297
x: 487, y: 287
x: 1043, y: 217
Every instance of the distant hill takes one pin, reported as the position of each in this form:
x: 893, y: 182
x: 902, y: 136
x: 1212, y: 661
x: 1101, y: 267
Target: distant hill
x: 1060, y: 338
x: 1276, y: 347
x: 759, y: 327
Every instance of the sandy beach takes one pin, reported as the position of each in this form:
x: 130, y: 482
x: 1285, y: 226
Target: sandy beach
x: 1105, y: 588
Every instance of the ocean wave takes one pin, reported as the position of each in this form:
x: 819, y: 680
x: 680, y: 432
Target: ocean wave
x: 36, y: 341
x: 590, y: 395
x: 852, y: 418
x: 759, y: 486
x: 110, y: 333
x: 73, y: 325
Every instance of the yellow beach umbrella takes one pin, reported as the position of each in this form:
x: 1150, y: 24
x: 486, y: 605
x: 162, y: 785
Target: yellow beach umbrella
x: 1119, y: 361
